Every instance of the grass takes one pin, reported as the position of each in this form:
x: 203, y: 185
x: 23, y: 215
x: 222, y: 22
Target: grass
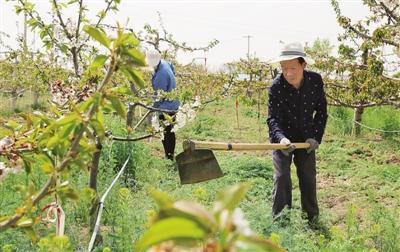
x: 358, y: 185
x: 23, y: 103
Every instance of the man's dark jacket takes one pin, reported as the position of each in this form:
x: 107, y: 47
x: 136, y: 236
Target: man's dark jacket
x: 297, y: 114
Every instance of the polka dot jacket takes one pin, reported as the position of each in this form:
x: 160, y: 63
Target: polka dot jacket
x: 297, y: 114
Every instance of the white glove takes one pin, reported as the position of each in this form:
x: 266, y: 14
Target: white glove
x: 290, y: 147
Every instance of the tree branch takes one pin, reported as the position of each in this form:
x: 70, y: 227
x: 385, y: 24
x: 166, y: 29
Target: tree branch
x: 123, y: 139
x: 97, y: 24
x: 67, y: 159
x: 153, y: 109
x: 390, y: 13
x: 365, y: 36
x: 65, y: 29
x: 79, y: 19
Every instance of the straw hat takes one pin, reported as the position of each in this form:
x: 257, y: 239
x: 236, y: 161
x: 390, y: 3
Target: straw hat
x: 291, y: 51
x: 153, y: 58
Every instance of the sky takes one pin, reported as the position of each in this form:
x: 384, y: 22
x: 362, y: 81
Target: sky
x: 196, y: 22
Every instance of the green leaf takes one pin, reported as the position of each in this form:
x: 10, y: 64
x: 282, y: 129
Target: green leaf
x: 86, y: 104
x: 133, y: 75
x: 64, y: 48
x: 121, y: 90
x: 101, y: 14
x: 170, y: 229
x: 64, y: 133
x: 47, y: 168
x: 24, y: 222
x: 98, y: 62
x: 5, y: 132
x: 27, y: 166
x: 130, y: 39
x: 13, y: 125
x: 71, y: 118
x: 193, y: 211
x: 33, y: 22
x: 135, y: 55
x: 18, y: 9
x: 230, y: 198
x: 117, y: 105
x: 97, y: 34
x: 43, y: 158
x: 99, y: 128
x: 31, y: 233
x: 67, y: 191
x: 255, y: 243
x: 162, y: 199
x: 53, y: 141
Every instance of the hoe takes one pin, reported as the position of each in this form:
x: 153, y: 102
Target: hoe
x: 197, y: 162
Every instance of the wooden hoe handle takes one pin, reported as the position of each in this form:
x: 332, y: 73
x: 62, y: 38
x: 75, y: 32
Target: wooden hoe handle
x: 196, y: 145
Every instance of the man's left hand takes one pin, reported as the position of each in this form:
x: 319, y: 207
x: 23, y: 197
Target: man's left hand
x: 313, y: 145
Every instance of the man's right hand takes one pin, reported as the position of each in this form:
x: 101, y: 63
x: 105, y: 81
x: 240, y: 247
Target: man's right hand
x: 290, y: 147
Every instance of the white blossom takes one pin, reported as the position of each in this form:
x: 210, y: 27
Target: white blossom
x: 5, y: 142
x: 241, y: 224
x: 4, y: 170
x: 196, y: 102
x: 155, y: 123
x: 185, y: 114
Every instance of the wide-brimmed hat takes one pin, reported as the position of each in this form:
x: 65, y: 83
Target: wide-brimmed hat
x: 153, y: 58
x: 292, y: 51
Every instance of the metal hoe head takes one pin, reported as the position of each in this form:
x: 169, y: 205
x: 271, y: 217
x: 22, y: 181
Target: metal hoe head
x: 197, y: 165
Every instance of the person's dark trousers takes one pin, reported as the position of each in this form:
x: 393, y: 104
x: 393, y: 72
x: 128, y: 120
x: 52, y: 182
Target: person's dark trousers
x: 169, y: 140
x: 306, y: 172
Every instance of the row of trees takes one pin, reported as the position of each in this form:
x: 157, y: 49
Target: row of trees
x: 51, y: 140
x: 68, y: 137
x: 365, y: 72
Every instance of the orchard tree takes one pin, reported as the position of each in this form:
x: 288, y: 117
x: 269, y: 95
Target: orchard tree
x: 161, y: 40
x: 248, y: 77
x: 195, y: 81
x: 17, y: 74
x: 354, y: 79
x: 83, y: 109
x: 65, y: 35
x: 75, y: 123
x: 359, y: 76
x: 63, y: 141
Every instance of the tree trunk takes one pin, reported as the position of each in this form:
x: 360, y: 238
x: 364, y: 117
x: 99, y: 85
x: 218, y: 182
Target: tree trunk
x: 14, y: 97
x: 94, y: 169
x: 129, y: 115
x: 357, y: 120
x: 35, y: 98
x: 75, y: 61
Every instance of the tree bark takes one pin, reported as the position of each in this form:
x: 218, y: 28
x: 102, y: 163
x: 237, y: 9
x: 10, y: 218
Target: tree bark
x: 14, y: 97
x: 358, y: 112
x: 35, y: 94
x: 94, y: 169
x: 130, y: 114
x: 74, y: 53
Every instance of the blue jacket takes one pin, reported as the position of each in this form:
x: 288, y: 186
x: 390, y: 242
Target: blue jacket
x: 164, y: 79
x: 297, y: 114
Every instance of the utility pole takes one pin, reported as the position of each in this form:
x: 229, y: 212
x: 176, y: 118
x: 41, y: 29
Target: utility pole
x: 205, y: 61
x: 25, y: 33
x: 248, y: 45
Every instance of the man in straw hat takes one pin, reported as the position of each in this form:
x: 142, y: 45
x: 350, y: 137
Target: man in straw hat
x: 297, y: 112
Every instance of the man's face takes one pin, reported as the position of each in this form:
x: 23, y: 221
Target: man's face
x: 293, y: 71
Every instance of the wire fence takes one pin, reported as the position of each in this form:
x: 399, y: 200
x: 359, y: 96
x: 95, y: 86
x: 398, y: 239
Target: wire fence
x: 26, y: 100
x: 365, y: 126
